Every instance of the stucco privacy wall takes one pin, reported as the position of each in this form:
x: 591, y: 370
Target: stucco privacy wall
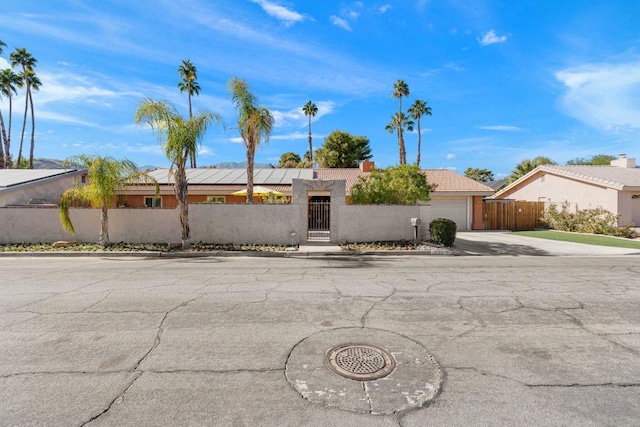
x: 217, y: 223
x: 364, y: 223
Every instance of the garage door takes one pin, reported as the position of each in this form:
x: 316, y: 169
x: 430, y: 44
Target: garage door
x: 454, y: 208
x: 635, y: 210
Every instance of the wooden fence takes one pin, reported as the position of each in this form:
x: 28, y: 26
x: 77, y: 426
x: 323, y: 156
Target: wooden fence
x: 512, y: 215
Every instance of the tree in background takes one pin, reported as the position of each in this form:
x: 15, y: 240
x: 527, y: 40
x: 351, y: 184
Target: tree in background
x: 189, y: 74
x: 526, y: 166
x: 480, y: 175
x: 395, y: 185
x: 254, y: 123
x: 416, y: 111
x: 400, y: 89
x: 35, y: 84
x: 23, y: 58
x: 9, y: 82
x: 399, y: 122
x: 310, y: 109
x: 597, y: 160
x: 105, y: 177
x: 3, y: 131
x: 289, y: 160
x: 343, y: 150
x: 178, y: 138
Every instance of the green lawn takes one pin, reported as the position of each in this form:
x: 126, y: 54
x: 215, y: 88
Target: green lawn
x: 588, y: 239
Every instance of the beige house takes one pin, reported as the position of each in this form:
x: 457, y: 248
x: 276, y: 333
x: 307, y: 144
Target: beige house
x: 36, y: 187
x: 455, y: 196
x: 615, y: 188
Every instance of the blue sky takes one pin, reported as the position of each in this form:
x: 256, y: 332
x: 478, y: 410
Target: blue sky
x: 506, y: 80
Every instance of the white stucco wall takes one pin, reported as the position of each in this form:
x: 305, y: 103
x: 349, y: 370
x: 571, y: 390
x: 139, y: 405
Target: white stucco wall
x: 213, y: 223
x: 365, y: 223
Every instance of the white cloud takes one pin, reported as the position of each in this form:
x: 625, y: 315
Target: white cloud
x: 4, y: 64
x: 339, y: 22
x: 385, y: 8
x: 451, y: 156
x: 604, y: 96
x: 490, y: 37
x: 503, y: 128
x: 288, y: 16
x: 296, y: 117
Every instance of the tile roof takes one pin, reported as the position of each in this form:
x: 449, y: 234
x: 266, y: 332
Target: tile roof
x: 611, y: 176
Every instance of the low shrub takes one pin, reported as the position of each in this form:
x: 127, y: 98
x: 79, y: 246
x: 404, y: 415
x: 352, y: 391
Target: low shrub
x: 592, y: 221
x: 443, y: 231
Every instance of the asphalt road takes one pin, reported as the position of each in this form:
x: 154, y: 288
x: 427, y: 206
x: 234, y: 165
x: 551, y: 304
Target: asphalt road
x: 239, y: 341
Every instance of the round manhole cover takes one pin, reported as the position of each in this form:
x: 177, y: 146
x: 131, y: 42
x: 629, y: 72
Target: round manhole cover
x: 361, y: 362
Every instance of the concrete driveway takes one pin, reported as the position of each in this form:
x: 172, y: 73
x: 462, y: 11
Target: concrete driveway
x: 237, y: 341
x: 507, y: 243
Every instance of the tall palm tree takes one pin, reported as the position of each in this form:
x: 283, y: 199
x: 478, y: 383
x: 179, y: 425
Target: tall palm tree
x: 416, y: 111
x: 400, y: 121
x: 9, y: 81
x: 400, y: 89
x: 23, y: 58
x: 254, y: 123
x: 178, y: 138
x: 106, y: 176
x: 189, y: 74
x: 310, y: 109
x: 35, y: 85
x: 2, y: 46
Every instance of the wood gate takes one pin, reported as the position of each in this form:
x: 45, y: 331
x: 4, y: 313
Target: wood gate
x: 512, y: 215
x: 319, y: 226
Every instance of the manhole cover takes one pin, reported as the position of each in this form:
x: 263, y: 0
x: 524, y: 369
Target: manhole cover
x: 361, y: 362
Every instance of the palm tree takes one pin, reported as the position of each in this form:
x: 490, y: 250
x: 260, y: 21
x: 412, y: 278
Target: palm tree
x: 178, y: 138
x: 399, y: 121
x: 416, y: 111
x: 526, y: 166
x: 35, y: 85
x: 254, y: 123
x: 27, y: 62
x: 189, y: 84
x: 310, y: 109
x: 400, y: 89
x: 106, y: 176
x: 9, y: 81
x: 2, y: 46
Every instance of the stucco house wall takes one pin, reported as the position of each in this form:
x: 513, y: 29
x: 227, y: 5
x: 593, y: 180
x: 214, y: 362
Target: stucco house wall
x: 554, y: 189
x: 49, y: 190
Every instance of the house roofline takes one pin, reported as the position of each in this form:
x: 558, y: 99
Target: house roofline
x: 38, y: 181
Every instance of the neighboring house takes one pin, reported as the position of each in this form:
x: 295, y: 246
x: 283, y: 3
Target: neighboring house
x: 456, y: 197
x: 615, y: 188
x: 36, y: 187
x: 210, y: 185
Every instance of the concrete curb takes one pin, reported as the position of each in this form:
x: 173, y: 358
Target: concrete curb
x: 257, y: 254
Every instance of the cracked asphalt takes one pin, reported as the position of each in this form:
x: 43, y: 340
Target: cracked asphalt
x: 118, y: 341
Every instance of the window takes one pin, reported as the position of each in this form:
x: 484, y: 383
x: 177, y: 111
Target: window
x: 153, y: 202
x: 215, y: 199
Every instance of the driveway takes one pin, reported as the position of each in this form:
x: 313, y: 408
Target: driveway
x: 239, y: 341
x: 507, y: 243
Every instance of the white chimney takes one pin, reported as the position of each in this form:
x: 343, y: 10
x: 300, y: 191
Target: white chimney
x: 624, y: 162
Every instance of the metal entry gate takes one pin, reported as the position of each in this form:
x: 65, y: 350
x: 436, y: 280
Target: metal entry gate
x: 319, y: 225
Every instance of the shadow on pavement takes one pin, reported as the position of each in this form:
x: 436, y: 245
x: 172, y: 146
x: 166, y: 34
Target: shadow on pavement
x: 469, y: 247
